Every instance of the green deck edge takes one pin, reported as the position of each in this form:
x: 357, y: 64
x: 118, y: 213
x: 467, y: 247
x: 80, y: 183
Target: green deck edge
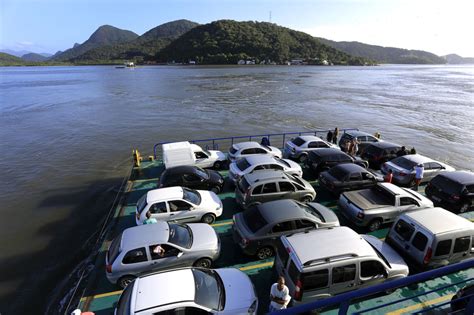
x: 100, y: 296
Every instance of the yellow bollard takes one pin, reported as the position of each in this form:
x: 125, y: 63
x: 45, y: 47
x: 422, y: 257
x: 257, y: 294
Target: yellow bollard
x: 136, y: 158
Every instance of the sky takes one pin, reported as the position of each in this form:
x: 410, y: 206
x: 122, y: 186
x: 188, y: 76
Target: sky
x: 438, y: 26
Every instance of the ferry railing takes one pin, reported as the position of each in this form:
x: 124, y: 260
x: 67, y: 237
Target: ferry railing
x: 275, y: 139
x: 344, y: 301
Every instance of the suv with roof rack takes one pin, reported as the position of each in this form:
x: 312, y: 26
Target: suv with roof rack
x: 323, y: 263
x: 452, y: 190
x: 268, y: 185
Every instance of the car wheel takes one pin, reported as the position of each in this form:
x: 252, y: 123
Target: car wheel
x: 253, y: 205
x: 125, y: 280
x: 216, y: 189
x: 307, y: 199
x: 218, y: 165
x: 265, y: 252
x: 208, y: 218
x: 302, y: 158
x: 203, y: 263
x: 464, y: 208
x: 374, y: 225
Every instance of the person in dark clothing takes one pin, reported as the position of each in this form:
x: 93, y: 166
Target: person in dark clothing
x: 329, y: 136
x: 335, y: 134
x: 413, y: 150
x: 403, y: 151
x: 265, y: 141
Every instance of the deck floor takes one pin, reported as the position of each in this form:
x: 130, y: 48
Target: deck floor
x: 100, y: 296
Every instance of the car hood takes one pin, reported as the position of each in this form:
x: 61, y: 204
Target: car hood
x: 209, y: 200
x: 215, y: 177
x: 398, y: 265
x: 204, y: 237
x: 234, y: 169
x: 239, y: 290
x: 218, y: 155
x: 275, y: 151
x: 294, y: 167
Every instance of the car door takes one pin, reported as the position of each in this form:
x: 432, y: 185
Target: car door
x: 135, y: 261
x: 431, y: 170
x: 406, y: 204
x: 343, y: 277
x: 279, y: 229
x: 182, y: 211
x: 368, y: 180
x: 462, y: 249
x: 202, y: 159
x: 353, y: 181
x: 372, y: 272
x: 168, y: 259
x: 193, y: 181
x: 159, y: 211
x: 288, y: 191
x: 269, y: 192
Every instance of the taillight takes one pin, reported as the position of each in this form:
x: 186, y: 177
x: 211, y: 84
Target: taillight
x: 108, y: 268
x: 427, y: 257
x: 455, y: 197
x: 402, y: 174
x: 377, y: 157
x: 298, y: 290
x: 360, y: 215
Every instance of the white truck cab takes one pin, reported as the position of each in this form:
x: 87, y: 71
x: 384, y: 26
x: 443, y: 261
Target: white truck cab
x: 185, y: 153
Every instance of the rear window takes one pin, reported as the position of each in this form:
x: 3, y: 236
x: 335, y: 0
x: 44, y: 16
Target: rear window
x: 232, y: 150
x: 419, y: 241
x: 298, y: 141
x: 443, y: 248
x: 404, y: 229
x: 243, y: 185
x: 123, y: 305
x: 243, y: 164
x: 447, y: 185
x: 404, y: 163
x: 114, y: 249
x: 338, y: 173
x: 141, y: 204
x: 254, y: 219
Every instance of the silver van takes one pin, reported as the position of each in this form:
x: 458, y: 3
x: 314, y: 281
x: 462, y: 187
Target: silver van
x: 160, y: 246
x: 323, y: 263
x: 432, y: 237
x: 268, y: 185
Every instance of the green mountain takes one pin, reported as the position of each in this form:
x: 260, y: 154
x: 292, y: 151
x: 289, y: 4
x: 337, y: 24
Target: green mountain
x: 104, y: 35
x: 385, y: 54
x: 10, y: 60
x: 227, y: 42
x: 34, y: 57
x: 142, y: 48
x: 457, y: 60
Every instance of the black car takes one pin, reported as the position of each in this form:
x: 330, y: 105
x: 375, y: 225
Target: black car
x: 364, y: 139
x: 378, y: 153
x: 348, y: 176
x: 461, y: 299
x: 192, y: 177
x: 323, y: 159
x: 452, y: 190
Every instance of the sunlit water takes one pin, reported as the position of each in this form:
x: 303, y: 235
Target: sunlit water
x: 66, y: 137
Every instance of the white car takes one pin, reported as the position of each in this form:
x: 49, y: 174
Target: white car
x: 185, y: 153
x: 192, y: 291
x: 299, y: 147
x: 250, y: 148
x: 179, y: 204
x: 250, y: 164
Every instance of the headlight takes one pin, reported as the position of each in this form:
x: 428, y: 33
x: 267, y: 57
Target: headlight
x: 252, y: 307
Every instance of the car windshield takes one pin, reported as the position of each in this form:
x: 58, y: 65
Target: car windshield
x: 254, y: 219
x: 243, y: 164
x: 266, y: 147
x: 404, y: 163
x: 192, y: 196
x: 312, y: 211
x: 180, y: 235
x: 201, y: 173
x: 285, y: 163
x: 296, y: 179
x: 141, y: 204
x: 210, y: 291
x: 207, y: 152
x: 297, y: 141
x: 338, y: 173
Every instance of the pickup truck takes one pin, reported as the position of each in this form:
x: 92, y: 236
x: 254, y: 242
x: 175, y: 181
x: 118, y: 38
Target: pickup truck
x: 185, y: 153
x: 380, y: 204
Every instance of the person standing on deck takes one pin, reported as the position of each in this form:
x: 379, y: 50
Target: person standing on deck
x: 329, y: 136
x: 419, y: 170
x: 335, y: 134
x: 149, y: 219
x: 279, y: 295
x: 389, y: 177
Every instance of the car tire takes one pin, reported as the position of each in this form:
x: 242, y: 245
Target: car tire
x: 253, y: 205
x: 464, y: 208
x: 307, y: 199
x: 302, y: 158
x: 265, y: 252
x: 374, y: 225
x: 218, y: 165
x: 203, y: 263
x: 125, y: 280
x: 208, y: 218
x: 216, y: 189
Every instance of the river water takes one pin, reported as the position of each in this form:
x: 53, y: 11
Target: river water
x: 67, y: 134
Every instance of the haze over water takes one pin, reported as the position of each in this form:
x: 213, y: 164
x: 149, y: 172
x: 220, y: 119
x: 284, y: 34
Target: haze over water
x: 67, y: 133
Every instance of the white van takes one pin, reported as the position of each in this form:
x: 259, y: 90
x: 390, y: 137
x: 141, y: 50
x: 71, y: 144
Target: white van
x: 185, y: 153
x: 325, y: 262
x: 432, y: 237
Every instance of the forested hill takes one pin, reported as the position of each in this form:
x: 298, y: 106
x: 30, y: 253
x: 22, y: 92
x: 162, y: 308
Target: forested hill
x: 141, y: 48
x: 385, y: 54
x: 10, y: 60
x: 227, y: 42
x: 104, y: 35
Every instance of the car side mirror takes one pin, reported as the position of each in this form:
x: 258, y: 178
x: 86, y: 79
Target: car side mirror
x: 179, y: 254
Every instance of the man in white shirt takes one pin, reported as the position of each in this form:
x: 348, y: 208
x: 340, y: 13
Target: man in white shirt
x: 279, y: 295
x: 419, y: 170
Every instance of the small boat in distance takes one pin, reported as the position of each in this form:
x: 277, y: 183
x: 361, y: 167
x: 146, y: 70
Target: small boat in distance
x: 126, y: 64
